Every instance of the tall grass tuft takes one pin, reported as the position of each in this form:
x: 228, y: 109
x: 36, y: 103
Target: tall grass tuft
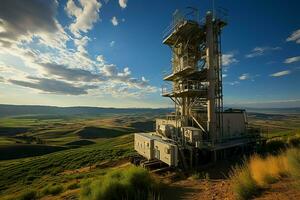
x: 277, y: 166
x: 293, y: 159
x: 268, y: 170
x: 243, y: 184
x: 133, y: 183
x: 259, y: 172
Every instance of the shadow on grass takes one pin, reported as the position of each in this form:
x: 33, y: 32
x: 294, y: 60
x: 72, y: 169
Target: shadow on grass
x: 16, y: 151
x: 92, y: 132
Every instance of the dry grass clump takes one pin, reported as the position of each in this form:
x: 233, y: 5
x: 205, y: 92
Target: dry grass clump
x: 243, y: 184
x: 259, y: 172
x: 277, y: 166
x: 267, y: 170
x: 293, y: 160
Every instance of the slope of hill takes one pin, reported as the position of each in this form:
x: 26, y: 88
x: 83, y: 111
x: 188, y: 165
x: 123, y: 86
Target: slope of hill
x: 88, y: 145
x: 17, y: 174
x: 15, y: 110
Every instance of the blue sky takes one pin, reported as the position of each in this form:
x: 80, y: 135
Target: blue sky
x: 109, y: 53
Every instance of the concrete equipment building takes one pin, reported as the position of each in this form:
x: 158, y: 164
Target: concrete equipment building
x: 199, y: 129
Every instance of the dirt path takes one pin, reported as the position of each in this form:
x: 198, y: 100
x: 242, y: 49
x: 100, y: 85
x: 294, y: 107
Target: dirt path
x: 285, y: 189
x: 189, y: 189
x: 199, y: 189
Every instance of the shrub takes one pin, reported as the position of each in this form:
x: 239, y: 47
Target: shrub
x: 200, y: 175
x: 52, y: 190
x: 243, y: 184
x: 294, y: 141
x: 28, y: 195
x: 73, y: 186
x: 86, y: 190
x: 268, y: 170
x: 134, y: 183
x: 277, y: 166
x: 275, y: 146
x: 196, y: 176
x: 258, y: 172
x: 293, y: 159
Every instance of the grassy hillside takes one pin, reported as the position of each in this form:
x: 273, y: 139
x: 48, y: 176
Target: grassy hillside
x: 55, y: 155
x: 276, y: 125
x: 55, y: 144
x: 17, y: 110
x: 16, y: 175
x: 23, y: 136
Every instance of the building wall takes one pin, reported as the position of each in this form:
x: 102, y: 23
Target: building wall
x: 166, y: 152
x: 152, y: 147
x: 234, y: 124
x: 143, y: 145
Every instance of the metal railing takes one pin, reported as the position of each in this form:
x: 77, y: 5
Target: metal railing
x: 180, y: 64
x: 191, y: 14
x: 166, y: 89
x: 185, y: 86
x: 183, y: 63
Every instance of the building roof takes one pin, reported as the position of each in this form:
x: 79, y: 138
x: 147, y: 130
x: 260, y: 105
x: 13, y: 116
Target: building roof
x: 154, y: 136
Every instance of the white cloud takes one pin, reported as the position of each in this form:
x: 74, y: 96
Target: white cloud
x: 84, y: 15
x: 234, y: 83
x: 292, y: 59
x: 100, y: 58
x: 114, y: 21
x: 50, y: 66
x: 123, y: 3
x: 244, y: 76
x: 81, y: 44
x: 224, y: 75
x: 228, y: 59
x: 281, y: 73
x: 82, y: 41
x: 21, y: 21
x: 112, y: 43
x: 259, y: 51
x: 295, y: 36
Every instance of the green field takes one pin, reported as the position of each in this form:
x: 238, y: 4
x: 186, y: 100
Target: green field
x: 17, y: 174
x: 38, y: 149
x: 49, y: 132
x: 59, y: 153
x: 276, y: 125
